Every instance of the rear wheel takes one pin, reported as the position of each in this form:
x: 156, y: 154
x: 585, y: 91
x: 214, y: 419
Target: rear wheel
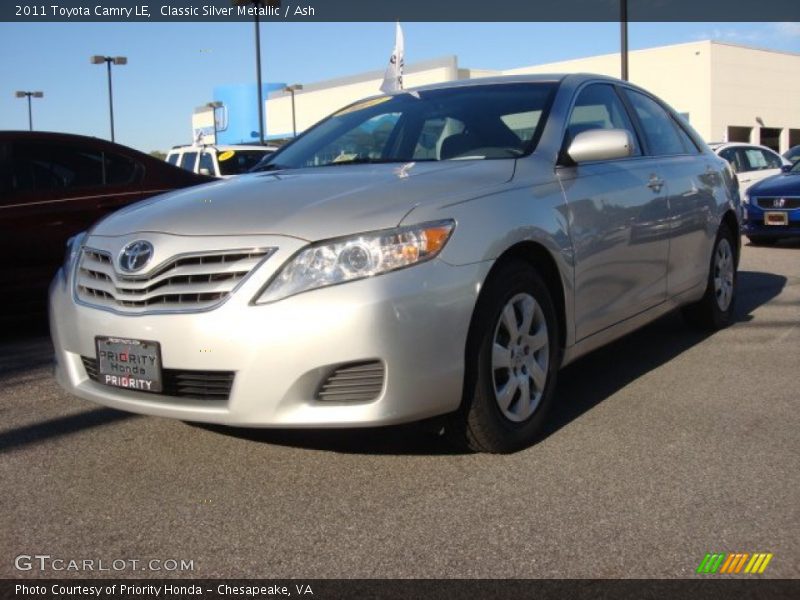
x: 511, y: 361
x: 715, y: 310
x: 758, y: 240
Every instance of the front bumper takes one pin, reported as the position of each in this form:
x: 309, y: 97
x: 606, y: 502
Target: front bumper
x: 754, y: 224
x: 414, y: 321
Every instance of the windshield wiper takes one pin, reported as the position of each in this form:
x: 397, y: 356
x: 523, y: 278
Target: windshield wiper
x: 268, y: 167
x: 365, y: 160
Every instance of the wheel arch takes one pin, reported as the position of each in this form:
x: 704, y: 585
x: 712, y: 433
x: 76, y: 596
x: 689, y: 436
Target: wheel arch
x: 536, y: 255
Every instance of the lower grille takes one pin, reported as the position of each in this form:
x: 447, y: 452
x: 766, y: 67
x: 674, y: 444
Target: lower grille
x: 197, y: 385
x: 354, y: 382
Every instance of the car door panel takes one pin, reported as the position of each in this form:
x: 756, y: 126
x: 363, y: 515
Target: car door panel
x: 618, y: 227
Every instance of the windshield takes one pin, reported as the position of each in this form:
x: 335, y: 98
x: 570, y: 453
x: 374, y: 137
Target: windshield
x: 795, y: 167
x: 234, y: 162
x: 472, y: 122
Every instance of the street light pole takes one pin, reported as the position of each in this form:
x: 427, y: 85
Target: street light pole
x: 30, y: 95
x: 623, y: 32
x: 292, y: 89
x: 117, y: 60
x: 258, y: 77
x: 259, y: 5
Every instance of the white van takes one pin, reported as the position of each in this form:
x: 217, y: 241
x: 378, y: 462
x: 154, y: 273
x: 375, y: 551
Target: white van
x: 218, y: 160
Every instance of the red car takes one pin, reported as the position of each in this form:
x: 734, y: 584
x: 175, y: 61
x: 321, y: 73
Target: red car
x: 54, y: 185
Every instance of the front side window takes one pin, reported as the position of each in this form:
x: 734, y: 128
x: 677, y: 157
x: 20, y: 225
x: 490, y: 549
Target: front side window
x: 737, y: 158
x: 598, y: 107
x: 187, y: 160
x: 474, y: 122
x: 207, y: 163
x: 659, y: 129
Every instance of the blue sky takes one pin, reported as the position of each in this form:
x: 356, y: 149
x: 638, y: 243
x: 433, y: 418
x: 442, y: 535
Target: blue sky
x: 173, y: 67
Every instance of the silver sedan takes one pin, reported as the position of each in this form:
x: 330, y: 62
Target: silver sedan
x: 439, y: 251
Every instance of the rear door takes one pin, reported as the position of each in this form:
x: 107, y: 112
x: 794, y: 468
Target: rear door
x: 619, y: 220
x: 691, y: 180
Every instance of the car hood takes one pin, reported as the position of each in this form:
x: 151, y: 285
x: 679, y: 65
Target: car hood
x: 310, y: 204
x: 785, y: 184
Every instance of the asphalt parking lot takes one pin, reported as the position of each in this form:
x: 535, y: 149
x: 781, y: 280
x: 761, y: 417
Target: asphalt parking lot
x: 665, y: 446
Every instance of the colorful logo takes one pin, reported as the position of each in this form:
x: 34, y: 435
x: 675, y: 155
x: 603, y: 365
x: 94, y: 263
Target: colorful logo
x: 735, y: 562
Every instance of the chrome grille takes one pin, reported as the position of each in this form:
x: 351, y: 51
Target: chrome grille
x: 354, y: 382
x: 186, y: 282
x: 788, y: 203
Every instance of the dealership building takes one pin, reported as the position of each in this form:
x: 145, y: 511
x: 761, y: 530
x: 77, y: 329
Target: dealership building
x: 726, y: 91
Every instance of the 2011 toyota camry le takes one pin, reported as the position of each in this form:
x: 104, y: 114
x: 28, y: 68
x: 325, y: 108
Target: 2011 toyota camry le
x: 438, y: 251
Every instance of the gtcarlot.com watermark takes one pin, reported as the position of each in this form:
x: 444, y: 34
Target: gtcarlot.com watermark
x: 46, y: 562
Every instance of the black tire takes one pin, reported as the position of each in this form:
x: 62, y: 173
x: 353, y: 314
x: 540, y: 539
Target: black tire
x: 758, y: 240
x: 710, y: 313
x: 481, y: 424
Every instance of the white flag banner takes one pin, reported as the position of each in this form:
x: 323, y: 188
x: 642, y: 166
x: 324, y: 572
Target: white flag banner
x: 393, y: 78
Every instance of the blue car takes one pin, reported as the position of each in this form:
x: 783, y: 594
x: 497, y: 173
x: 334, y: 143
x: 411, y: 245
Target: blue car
x: 772, y: 208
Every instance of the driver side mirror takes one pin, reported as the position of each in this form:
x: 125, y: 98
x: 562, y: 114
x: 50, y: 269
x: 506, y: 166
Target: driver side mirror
x: 786, y: 168
x: 600, y: 144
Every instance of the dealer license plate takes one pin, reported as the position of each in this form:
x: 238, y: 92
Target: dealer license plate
x: 129, y: 364
x: 776, y: 218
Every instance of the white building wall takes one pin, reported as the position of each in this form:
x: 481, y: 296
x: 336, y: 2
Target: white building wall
x: 679, y: 74
x: 754, y: 88
x: 718, y: 85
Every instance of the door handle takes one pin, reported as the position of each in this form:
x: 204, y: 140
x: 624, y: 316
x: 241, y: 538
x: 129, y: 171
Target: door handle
x: 655, y: 183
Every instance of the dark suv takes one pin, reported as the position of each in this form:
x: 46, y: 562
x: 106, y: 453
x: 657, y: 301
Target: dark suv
x: 54, y: 185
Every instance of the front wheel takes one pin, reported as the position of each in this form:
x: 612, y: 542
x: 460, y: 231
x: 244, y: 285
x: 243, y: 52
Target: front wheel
x: 715, y: 309
x: 512, y: 359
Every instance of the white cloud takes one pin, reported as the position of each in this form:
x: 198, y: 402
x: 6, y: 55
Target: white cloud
x: 756, y: 34
x: 787, y: 29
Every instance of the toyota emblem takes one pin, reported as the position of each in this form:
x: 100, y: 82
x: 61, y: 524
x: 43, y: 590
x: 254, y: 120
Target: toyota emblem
x: 135, y: 256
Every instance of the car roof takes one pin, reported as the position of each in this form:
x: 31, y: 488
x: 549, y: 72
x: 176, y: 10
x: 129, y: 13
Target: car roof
x: 223, y: 147
x: 70, y: 138
x: 503, y: 79
x: 720, y: 145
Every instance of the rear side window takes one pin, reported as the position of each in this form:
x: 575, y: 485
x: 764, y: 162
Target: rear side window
x: 599, y: 107
x: 172, y: 158
x: 660, y: 130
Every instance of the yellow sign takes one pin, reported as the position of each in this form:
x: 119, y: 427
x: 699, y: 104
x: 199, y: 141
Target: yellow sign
x: 225, y: 155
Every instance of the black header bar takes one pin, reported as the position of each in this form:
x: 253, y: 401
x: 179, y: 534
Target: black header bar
x: 391, y: 10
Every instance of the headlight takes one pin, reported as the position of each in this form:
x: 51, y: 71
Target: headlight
x: 73, y: 249
x: 357, y: 257
x: 746, y: 198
